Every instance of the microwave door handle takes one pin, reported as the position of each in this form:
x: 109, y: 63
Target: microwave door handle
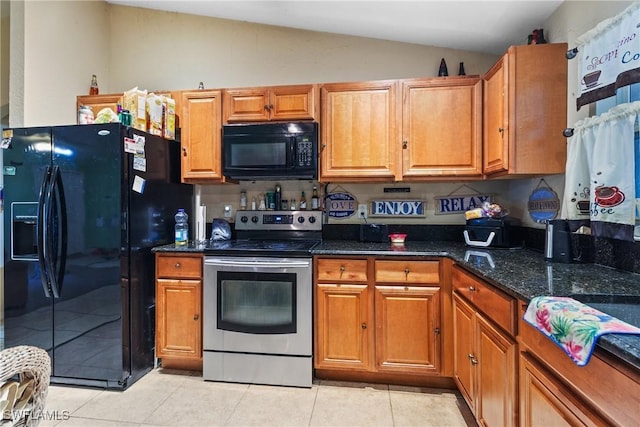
x: 293, y: 153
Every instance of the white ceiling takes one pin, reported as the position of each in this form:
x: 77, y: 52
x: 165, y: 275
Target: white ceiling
x: 481, y: 26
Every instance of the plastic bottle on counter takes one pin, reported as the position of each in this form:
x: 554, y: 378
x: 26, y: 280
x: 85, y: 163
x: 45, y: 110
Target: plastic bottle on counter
x: 182, y: 228
x: 243, y: 200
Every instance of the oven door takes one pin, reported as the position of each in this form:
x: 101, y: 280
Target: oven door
x: 257, y: 305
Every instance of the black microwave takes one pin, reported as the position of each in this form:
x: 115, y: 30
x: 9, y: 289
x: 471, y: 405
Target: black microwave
x: 270, y: 151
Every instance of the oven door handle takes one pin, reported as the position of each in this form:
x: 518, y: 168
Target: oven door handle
x: 238, y: 262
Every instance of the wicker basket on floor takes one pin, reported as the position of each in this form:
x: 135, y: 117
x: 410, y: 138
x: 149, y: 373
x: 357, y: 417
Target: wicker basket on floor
x: 32, y: 366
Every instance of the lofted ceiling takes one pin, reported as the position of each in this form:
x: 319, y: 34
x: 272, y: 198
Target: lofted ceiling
x: 480, y: 26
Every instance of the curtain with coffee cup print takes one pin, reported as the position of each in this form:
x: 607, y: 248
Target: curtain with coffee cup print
x: 600, y: 181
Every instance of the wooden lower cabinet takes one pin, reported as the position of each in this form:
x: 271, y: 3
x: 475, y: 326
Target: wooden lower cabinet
x: 407, y: 321
x: 179, y: 310
x: 554, y: 391
x: 370, y: 323
x: 485, y: 363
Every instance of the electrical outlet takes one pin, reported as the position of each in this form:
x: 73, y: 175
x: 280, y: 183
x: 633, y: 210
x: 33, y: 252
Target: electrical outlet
x: 228, y: 211
x: 362, y: 211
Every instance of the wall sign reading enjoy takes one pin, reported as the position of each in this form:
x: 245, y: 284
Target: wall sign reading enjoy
x: 403, y: 208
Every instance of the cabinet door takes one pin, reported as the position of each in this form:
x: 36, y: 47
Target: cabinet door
x: 544, y: 400
x: 407, y: 329
x: 442, y: 127
x: 464, y: 359
x: 246, y: 105
x: 293, y: 102
x: 98, y: 102
x: 496, y: 375
x: 201, y: 136
x: 359, y: 132
x: 178, y: 318
x: 496, y: 132
x: 343, y: 326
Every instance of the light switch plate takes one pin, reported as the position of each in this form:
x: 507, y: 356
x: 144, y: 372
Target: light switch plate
x: 228, y: 211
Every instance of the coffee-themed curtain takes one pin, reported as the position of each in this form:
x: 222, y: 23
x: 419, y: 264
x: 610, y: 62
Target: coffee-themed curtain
x: 608, y: 56
x: 600, y: 181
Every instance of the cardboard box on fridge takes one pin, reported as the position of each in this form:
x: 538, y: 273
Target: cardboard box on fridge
x: 169, y: 117
x: 155, y: 114
x: 135, y: 101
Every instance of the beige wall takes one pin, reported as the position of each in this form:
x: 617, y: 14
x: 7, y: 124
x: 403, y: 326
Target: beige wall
x: 66, y: 42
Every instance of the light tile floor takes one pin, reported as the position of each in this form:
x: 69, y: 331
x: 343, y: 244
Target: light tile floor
x: 173, y: 398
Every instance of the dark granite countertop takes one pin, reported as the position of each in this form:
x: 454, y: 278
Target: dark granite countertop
x: 525, y: 274
x: 521, y: 273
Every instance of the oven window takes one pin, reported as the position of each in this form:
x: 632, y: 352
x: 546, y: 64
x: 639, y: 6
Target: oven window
x: 257, y: 303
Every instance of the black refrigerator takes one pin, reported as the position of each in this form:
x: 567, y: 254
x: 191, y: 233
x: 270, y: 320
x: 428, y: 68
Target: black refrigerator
x: 82, y: 207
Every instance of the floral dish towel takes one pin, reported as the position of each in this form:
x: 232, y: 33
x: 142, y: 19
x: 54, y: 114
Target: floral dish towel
x: 573, y: 326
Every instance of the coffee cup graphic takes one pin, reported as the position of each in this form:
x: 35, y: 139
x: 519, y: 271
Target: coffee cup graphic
x: 583, y: 206
x: 609, y: 196
x: 591, y: 79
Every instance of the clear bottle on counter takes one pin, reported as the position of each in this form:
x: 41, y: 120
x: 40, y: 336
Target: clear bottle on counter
x: 181, y: 228
x: 303, y: 202
x: 254, y: 205
x: 243, y: 200
x: 314, y: 199
x: 292, y: 204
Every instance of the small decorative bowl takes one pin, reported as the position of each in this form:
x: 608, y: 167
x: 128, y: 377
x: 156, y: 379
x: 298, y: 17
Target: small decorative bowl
x: 397, y: 238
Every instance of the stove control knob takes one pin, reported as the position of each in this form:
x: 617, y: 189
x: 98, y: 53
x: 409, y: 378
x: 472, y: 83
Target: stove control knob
x: 312, y: 219
x: 300, y: 219
x: 243, y: 218
x: 254, y: 219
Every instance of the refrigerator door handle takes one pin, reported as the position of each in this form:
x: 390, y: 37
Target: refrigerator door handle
x: 43, y: 230
x: 57, y: 263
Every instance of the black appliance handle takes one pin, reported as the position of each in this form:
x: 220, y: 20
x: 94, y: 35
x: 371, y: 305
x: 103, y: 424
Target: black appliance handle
x: 59, y: 263
x: 293, y: 153
x: 42, y: 231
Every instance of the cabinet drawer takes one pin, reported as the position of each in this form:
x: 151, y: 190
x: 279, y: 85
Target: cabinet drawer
x: 408, y: 271
x: 343, y: 270
x: 188, y: 267
x: 499, y: 307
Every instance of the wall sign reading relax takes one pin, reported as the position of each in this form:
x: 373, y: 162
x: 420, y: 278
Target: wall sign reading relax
x: 403, y: 208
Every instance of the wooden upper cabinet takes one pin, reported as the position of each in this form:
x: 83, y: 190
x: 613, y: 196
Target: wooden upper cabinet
x: 98, y: 102
x: 441, y: 128
x: 201, y: 136
x: 296, y: 102
x: 525, y: 112
x: 359, y: 133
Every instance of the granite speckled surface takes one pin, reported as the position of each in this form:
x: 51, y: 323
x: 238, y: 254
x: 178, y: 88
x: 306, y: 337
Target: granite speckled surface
x: 521, y: 273
x: 525, y: 274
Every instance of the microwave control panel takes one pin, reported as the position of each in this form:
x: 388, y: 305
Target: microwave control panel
x: 305, y: 153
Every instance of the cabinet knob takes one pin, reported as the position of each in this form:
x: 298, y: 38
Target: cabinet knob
x: 405, y: 143
x: 472, y: 358
x: 270, y: 106
x: 472, y: 289
x: 364, y: 326
x: 342, y: 270
x: 177, y: 265
x: 500, y: 130
x: 184, y: 151
x: 406, y: 273
x: 266, y: 107
x: 196, y: 316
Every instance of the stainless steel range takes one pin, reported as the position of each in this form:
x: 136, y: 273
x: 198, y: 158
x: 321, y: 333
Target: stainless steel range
x: 257, y: 323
